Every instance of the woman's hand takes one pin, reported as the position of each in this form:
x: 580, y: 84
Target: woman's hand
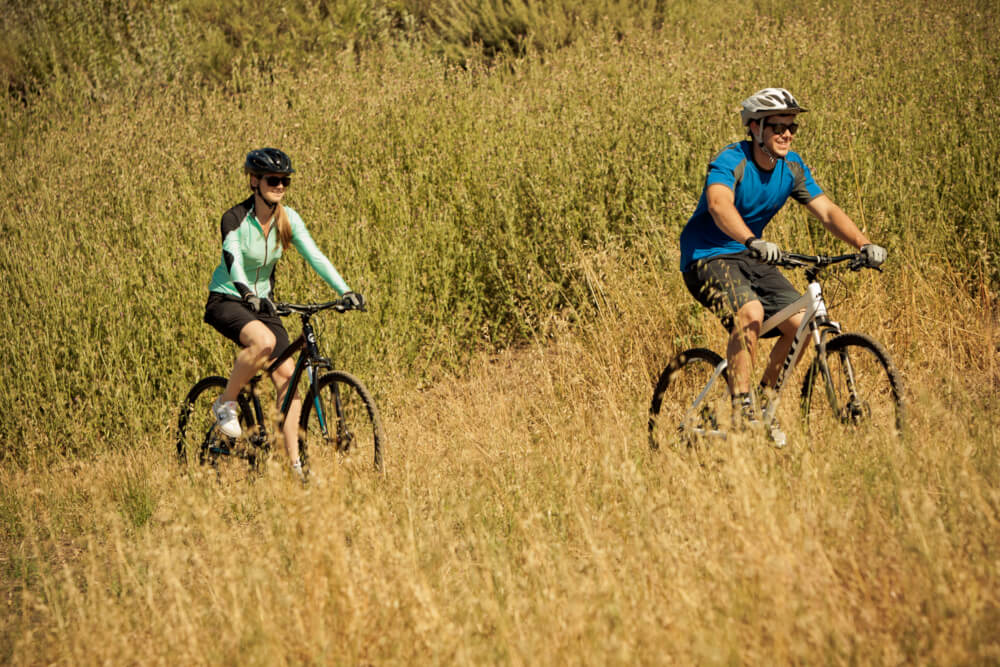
x: 261, y: 305
x: 354, y: 300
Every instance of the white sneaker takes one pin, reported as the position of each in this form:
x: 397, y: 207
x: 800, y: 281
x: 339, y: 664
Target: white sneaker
x: 227, y: 418
x: 776, y: 434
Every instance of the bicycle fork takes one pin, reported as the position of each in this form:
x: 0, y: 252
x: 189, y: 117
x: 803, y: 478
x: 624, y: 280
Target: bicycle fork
x: 315, y: 361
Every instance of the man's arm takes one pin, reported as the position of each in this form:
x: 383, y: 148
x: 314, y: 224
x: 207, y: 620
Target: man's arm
x: 722, y: 206
x: 836, y: 221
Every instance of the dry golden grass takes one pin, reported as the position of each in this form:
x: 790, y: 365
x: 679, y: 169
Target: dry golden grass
x: 515, y: 231
x: 521, y: 519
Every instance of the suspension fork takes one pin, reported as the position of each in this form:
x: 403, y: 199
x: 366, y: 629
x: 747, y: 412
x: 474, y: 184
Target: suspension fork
x: 852, y: 389
x: 823, y: 330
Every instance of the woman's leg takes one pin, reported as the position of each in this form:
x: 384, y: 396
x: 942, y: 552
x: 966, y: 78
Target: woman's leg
x: 258, y: 344
x: 282, y: 377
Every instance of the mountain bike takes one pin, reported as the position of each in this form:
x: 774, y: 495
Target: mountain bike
x: 851, y: 384
x: 338, y: 412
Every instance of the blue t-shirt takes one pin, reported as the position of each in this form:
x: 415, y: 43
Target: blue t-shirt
x: 759, y: 195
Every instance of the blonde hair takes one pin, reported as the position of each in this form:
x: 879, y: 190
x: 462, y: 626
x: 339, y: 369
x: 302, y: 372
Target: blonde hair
x: 284, y: 227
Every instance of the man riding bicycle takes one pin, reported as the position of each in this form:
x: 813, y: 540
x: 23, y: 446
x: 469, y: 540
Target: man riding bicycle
x: 727, y: 266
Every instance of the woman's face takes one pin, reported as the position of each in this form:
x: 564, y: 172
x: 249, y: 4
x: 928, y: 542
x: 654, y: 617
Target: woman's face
x: 271, y: 186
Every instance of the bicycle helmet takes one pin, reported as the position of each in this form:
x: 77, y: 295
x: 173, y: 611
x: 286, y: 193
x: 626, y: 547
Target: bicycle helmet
x: 769, y: 102
x: 267, y: 161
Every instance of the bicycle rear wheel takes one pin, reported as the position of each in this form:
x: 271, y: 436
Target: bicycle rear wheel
x: 200, y: 440
x: 853, y: 387
x: 674, y: 417
x: 340, y: 419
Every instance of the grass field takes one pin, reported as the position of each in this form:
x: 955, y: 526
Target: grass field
x: 510, y: 208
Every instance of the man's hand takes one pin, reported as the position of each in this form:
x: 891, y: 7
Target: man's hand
x: 874, y: 254
x: 766, y: 251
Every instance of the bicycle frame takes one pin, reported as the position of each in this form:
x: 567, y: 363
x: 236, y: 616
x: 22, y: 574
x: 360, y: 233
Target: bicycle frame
x: 816, y: 324
x: 309, y: 361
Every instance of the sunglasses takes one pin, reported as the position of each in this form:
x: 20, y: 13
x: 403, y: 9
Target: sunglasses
x: 275, y: 181
x: 779, y: 128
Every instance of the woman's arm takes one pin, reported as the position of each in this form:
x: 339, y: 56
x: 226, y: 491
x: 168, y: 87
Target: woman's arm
x: 304, y: 243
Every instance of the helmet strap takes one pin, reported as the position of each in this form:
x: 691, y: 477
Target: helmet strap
x: 258, y: 193
x: 760, y: 142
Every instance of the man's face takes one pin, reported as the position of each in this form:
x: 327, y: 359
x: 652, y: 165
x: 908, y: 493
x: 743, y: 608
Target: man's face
x: 778, y: 133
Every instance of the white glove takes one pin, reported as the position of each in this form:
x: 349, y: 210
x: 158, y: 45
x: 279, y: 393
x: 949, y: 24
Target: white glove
x: 874, y: 254
x: 766, y: 251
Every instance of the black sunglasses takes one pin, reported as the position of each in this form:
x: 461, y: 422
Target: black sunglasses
x: 779, y: 128
x: 275, y: 181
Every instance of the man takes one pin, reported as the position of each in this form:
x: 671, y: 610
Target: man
x: 727, y: 266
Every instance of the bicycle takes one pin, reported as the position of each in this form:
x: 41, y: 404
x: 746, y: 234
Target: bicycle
x: 853, y: 372
x: 346, y: 418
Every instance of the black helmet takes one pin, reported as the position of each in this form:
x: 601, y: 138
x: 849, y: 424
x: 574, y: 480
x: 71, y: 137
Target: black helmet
x: 267, y: 161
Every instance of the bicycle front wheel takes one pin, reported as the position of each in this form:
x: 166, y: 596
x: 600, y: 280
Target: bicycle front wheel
x: 691, y: 400
x: 197, y: 437
x: 853, y: 386
x: 339, y: 418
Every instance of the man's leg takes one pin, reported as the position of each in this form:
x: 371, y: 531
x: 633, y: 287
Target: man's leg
x: 743, y: 345
x: 780, y: 349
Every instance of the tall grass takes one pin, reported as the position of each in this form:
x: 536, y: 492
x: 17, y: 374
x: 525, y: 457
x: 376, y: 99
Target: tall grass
x: 513, y: 221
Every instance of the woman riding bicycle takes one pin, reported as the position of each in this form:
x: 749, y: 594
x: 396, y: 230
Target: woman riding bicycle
x: 255, y: 232
x: 726, y: 265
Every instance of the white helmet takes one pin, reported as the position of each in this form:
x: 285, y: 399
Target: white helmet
x: 768, y: 102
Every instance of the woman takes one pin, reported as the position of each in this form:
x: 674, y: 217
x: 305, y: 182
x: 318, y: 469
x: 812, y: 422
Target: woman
x: 255, y: 232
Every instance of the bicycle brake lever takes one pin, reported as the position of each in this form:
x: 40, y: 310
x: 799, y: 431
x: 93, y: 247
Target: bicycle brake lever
x: 861, y: 263
x: 344, y: 306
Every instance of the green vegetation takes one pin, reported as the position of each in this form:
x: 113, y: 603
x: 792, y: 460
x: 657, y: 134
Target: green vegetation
x: 505, y: 182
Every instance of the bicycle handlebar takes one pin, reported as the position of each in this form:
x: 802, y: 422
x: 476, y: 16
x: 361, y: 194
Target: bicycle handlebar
x: 791, y: 260
x: 339, y: 305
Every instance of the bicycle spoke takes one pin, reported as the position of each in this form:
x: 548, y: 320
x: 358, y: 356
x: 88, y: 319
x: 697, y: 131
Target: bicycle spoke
x: 340, y: 422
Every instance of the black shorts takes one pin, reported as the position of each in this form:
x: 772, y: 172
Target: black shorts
x: 229, y: 315
x: 726, y: 283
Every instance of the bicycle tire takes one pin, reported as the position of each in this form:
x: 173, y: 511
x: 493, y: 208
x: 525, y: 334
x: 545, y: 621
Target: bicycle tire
x: 196, y: 430
x: 350, y: 425
x: 863, y: 390
x: 670, y: 418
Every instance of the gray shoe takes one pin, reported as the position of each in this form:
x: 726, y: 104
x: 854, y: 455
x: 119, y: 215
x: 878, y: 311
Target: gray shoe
x: 227, y: 418
x: 774, y: 432
x: 748, y: 419
x: 744, y: 415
